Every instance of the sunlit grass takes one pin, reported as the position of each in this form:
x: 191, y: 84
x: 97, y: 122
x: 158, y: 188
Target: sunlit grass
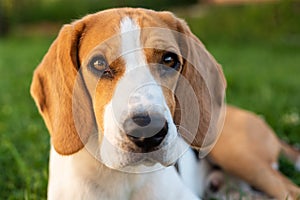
x: 23, y: 140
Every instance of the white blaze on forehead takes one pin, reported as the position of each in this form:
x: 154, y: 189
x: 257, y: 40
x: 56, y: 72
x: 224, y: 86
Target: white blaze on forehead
x: 138, y: 82
x: 131, y: 47
x: 137, y: 91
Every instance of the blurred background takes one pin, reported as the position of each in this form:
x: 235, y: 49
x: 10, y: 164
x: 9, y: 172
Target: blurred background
x: 257, y: 43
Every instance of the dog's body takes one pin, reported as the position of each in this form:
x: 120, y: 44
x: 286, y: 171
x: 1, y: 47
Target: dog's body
x: 114, y: 90
x: 249, y: 149
x: 106, y: 90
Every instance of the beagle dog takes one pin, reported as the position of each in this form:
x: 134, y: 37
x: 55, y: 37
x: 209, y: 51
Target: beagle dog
x: 124, y: 94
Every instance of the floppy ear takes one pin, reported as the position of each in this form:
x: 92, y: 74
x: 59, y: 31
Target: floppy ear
x: 208, y: 83
x: 53, y: 90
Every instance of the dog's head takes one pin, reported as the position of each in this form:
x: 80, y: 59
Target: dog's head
x: 135, y: 81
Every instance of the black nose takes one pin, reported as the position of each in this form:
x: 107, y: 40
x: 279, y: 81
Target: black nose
x: 141, y: 120
x: 146, y: 131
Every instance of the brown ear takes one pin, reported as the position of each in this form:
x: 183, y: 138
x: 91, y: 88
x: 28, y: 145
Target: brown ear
x: 206, y: 78
x: 53, y: 90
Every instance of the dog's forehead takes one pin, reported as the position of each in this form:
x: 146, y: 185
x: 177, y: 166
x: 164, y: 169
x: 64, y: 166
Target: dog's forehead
x: 104, y: 26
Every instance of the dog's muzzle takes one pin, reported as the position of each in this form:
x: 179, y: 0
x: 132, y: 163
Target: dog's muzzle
x: 147, y: 131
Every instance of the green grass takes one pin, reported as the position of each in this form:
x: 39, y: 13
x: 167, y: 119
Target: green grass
x: 24, y: 141
x: 44, y: 10
x: 262, y: 74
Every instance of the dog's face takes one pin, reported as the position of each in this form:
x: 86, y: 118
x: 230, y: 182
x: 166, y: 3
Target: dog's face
x: 126, y: 78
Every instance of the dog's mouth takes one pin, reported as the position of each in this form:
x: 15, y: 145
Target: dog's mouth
x: 141, y: 157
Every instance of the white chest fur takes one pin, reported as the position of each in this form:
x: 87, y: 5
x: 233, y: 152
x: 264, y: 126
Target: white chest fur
x: 80, y: 176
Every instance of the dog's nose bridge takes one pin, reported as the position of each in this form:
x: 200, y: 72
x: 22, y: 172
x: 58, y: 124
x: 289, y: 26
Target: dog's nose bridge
x: 138, y: 92
x: 146, y: 95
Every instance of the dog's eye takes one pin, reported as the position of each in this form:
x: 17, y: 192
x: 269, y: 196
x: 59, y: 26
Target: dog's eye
x: 100, y: 67
x: 171, y: 60
x: 98, y: 63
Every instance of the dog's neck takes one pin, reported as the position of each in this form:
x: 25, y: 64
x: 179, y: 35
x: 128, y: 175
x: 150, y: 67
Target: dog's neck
x: 90, y: 179
x: 84, y: 172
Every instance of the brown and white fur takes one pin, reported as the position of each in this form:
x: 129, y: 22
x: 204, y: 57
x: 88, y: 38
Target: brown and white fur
x: 92, y: 156
x: 89, y: 87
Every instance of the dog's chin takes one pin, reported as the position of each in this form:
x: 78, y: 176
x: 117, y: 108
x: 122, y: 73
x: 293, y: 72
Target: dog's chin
x: 132, y: 162
x: 129, y: 160
x: 144, y: 165
x: 152, y: 162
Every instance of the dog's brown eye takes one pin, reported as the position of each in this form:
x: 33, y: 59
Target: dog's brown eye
x: 171, y: 60
x: 99, y: 66
x: 98, y: 63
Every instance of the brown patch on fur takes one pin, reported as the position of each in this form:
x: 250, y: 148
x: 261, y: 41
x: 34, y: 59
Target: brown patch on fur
x: 52, y: 89
x: 105, y: 90
x: 55, y: 80
x: 210, y: 100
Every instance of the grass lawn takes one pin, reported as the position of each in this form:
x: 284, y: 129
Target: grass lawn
x: 24, y: 141
x: 263, y: 76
